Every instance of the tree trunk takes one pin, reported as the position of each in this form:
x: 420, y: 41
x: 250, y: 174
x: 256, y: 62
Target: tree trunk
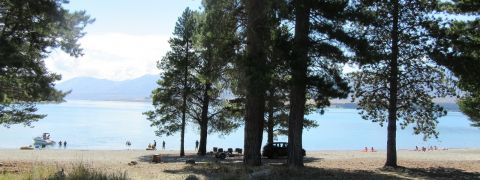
x: 184, y: 103
x: 182, y: 132
x: 299, y: 81
x: 202, y: 150
x: 270, y: 119
x: 392, y: 101
x: 255, y: 69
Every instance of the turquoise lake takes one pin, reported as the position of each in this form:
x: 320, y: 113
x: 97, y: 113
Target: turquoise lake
x: 109, y: 124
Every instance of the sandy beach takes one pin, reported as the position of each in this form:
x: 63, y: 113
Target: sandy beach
x: 448, y: 164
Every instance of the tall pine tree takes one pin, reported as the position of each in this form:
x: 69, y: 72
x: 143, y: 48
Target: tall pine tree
x: 401, y: 85
x: 216, y: 43
x: 257, y: 31
x: 171, y: 99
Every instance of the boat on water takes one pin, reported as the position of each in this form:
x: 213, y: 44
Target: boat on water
x: 43, y: 140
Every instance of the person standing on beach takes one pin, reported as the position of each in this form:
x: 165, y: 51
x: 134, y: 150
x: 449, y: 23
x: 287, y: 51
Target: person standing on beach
x: 64, y: 144
x: 163, y: 145
x: 196, y: 145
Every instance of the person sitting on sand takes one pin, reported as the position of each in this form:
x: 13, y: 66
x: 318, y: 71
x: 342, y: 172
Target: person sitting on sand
x: 149, y: 146
x: 424, y: 148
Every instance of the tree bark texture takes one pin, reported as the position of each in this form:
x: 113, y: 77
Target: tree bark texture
x: 255, y: 69
x: 299, y: 82
x: 202, y: 149
x: 392, y: 101
x: 270, y: 118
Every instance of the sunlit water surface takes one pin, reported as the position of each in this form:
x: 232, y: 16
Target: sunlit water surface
x: 109, y: 124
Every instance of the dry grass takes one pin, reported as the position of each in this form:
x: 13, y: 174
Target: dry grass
x: 76, y: 172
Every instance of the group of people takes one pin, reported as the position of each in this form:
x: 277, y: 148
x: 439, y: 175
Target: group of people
x: 154, y: 145
x: 371, y: 149
x: 431, y: 148
x: 64, y: 144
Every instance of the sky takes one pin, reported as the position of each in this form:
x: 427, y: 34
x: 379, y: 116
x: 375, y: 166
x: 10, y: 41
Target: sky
x: 126, y: 40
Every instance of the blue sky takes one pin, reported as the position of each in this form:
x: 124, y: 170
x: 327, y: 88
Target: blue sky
x: 125, y: 41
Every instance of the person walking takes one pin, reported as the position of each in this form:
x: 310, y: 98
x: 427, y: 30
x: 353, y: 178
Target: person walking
x: 154, y: 145
x: 196, y: 145
x: 163, y: 145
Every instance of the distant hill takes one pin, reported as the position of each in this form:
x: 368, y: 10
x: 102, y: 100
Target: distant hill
x: 87, y: 88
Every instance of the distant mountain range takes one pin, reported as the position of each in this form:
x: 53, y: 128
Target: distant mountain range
x: 87, y: 88
x: 140, y: 89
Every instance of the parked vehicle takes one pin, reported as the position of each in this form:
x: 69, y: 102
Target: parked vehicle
x: 277, y: 149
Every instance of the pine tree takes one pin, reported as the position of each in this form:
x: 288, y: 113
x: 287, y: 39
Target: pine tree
x: 174, y: 94
x: 257, y: 31
x: 29, y: 30
x: 458, y: 49
x: 216, y: 43
x: 401, y: 85
x: 321, y: 45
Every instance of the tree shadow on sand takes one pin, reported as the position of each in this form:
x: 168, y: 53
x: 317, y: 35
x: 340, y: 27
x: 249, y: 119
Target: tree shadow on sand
x: 275, y: 171
x: 233, y: 168
x: 432, y: 173
x: 272, y: 171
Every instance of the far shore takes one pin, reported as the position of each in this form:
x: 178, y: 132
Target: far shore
x: 465, y: 162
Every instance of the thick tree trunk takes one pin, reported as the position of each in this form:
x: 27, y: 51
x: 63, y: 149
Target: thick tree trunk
x: 392, y: 106
x: 299, y: 81
x: 270, y: 119
x: 202, y: 150
x: 255, y: 67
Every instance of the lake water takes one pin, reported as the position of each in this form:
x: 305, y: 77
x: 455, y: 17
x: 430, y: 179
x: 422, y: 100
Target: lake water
x: 109, y: 124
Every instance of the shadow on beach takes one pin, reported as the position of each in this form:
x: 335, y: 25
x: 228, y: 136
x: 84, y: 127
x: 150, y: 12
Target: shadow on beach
x: 233, y: 168
x: 432, y: 173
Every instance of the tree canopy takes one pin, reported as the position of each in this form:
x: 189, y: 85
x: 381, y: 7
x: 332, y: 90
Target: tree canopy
x: 458, y: 49
x: 29, y: 31
x: 401, y: 85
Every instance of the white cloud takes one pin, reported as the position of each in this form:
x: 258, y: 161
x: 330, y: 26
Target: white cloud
x: 113, y: 56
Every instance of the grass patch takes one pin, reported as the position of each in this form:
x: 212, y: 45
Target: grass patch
x: 82, y: 172
x: 78, y: 172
